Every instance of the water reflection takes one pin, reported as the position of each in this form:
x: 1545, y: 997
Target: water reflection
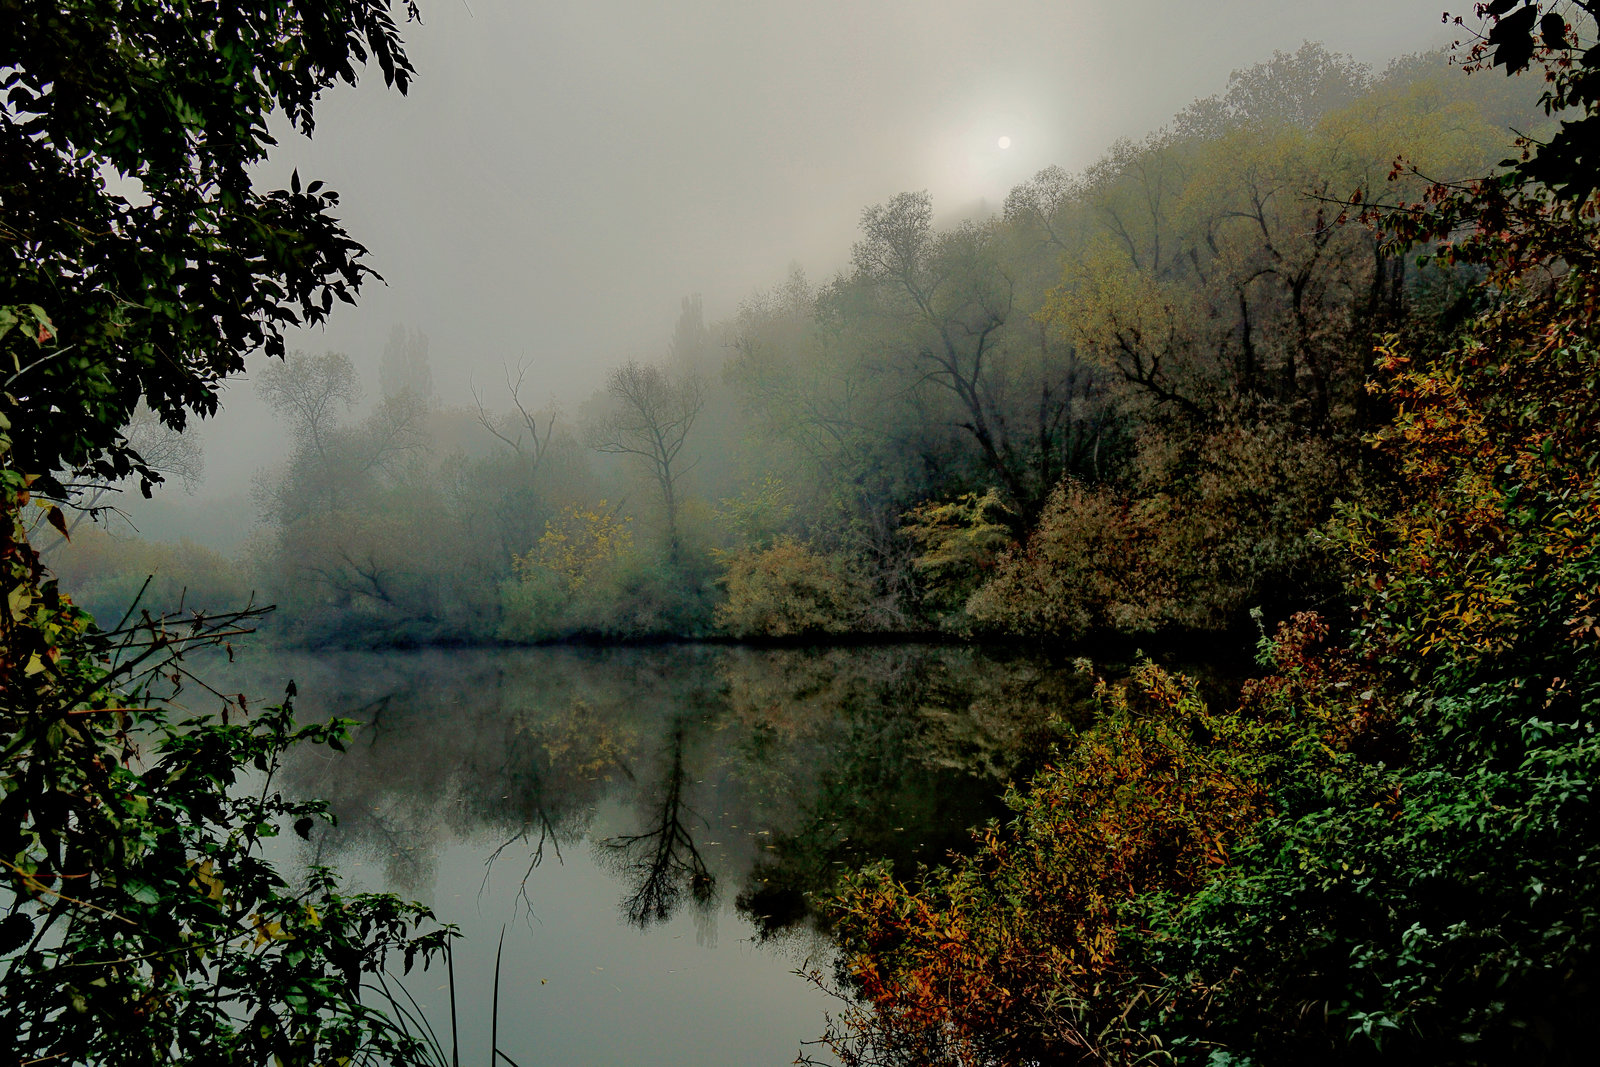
x: 662, y: 861
x: 609, y: 809
x: 683, y: 769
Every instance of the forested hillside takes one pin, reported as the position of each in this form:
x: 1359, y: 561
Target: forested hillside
x: 1384, y: 851
x: 1130, y: 401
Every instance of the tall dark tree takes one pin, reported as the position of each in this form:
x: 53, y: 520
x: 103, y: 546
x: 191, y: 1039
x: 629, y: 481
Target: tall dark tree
x: 946, y: 308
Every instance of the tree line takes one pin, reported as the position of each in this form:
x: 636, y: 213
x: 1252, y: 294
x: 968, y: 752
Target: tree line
x: 1383, y: 850
x: 1130, y: 401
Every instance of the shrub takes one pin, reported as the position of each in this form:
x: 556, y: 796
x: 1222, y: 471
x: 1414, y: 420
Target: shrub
x: 143, y: 925
x: 789, y: 590
x: 105, y: 573
x: 961, y: 542
x: 1238, y: 517
x: 1018, y: 954
x: 1086, y: 567
x: 586, y: 577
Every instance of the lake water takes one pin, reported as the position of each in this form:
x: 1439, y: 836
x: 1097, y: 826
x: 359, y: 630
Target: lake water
x: 647, y: 825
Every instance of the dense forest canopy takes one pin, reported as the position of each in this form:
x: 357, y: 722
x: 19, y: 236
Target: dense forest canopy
x: 1131, y: 400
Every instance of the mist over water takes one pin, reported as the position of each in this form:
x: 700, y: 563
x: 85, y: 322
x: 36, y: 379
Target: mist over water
x: 1151, y: 346
x: 651, y: 825
x: 557, y: 180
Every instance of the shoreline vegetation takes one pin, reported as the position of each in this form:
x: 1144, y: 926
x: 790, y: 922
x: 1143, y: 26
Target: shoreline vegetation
x: 1315, y: 361
x: 1133, y: 400
x: 1234, y: 647
x: 142, y: 923
x: 1385, y: 849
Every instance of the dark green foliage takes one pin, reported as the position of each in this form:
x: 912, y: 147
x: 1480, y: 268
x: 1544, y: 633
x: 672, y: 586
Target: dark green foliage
x: 1566, y: 163
x: 158, y: 294
x: 143, y: 925
x: 1421, y: 916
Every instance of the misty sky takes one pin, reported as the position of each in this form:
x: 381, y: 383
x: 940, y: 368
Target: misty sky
x: 562, y: 175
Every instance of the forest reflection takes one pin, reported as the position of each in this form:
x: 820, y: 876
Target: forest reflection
x: 693, y: 773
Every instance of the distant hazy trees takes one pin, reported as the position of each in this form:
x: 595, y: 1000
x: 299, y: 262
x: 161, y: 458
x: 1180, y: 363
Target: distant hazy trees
x: 651, y: 415
x: 518, y: 430
x: 332, y: 463
x: 508, y: 491
x: 310, y: 392
x: 1169, y: 350
x: 405, y: 369
x: 1133, y: 400
x: 356, y: 536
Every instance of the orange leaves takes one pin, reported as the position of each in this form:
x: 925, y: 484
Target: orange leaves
x: 1489, y: 441
x: 1148, y: 803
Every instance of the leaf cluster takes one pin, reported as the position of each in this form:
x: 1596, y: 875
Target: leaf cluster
x: 129, y: 221
x: 143, y: 923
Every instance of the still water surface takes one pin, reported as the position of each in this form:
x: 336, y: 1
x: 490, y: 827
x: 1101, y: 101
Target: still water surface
x: 648, y: 825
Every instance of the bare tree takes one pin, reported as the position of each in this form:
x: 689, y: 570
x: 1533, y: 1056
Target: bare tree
x: 951, y: 289
x: 650, y: 420
x: 166, y: 452
x: 519, y: 432
x: 169, y: 452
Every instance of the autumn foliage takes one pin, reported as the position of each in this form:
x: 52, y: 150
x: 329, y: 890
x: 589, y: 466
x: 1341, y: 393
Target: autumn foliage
x: 1038, y: 948
x: 1006, y: 953
x: 1387, y: 852
x: 789, y: 590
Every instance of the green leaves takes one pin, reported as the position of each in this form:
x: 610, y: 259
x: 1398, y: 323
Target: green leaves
x: 166, y: 298
x: 30, y: 315
x: 1423, y: 884
x: 1553, y: 31
x: 143, y: 892
x: 170, y: 939
x: 16, y: 930
x: 143, y: 926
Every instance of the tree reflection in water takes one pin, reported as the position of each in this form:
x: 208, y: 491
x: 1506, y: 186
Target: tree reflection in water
x: 663, y: 860
x: 547, y: 836
x: 770, y: 770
